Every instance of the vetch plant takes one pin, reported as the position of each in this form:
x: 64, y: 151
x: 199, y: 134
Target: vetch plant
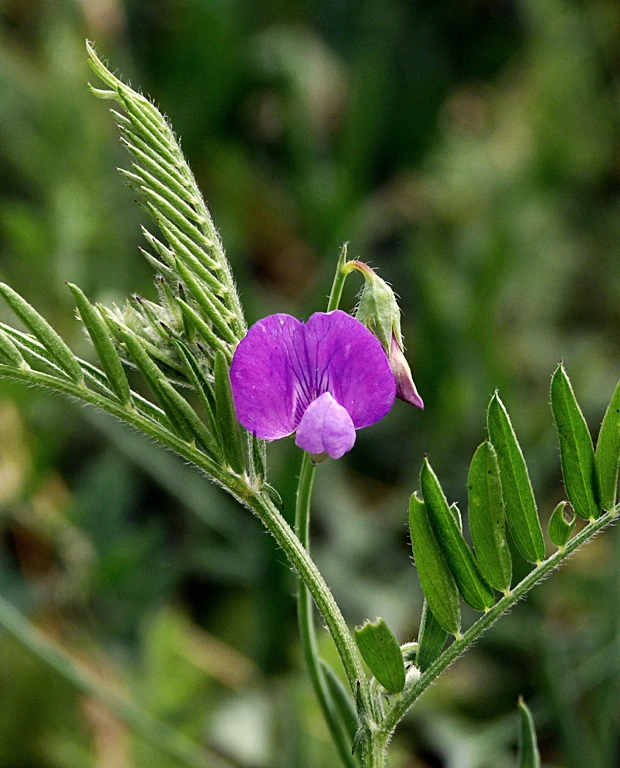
x: 321, y: 380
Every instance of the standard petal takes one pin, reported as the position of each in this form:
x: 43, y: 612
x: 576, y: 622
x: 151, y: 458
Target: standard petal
x: 326, y: 427
x: 263, y: 380
x: 350, y: 364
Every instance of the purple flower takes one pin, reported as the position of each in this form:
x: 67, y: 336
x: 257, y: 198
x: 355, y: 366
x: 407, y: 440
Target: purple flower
x: 405, y: 388
x: 323, y: 379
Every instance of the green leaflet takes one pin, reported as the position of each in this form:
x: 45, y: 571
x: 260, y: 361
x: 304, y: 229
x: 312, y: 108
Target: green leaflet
x: 576, y: 449
x: 209, y: 304
x: 182, y: 416
x: 435, y: 576
x: 191, y: 317
x: 55, y: 346
x: 560, y: 529
x: 486, y: 518
x: 103, y: 344
x: 529, y: 756
x: 226, y: 414
x: 9, y: 352
x: 200, y: 384
x: 520, y: 507
x: 381, y: 651
x: 472, y: 586
x: 607, y: 456
x: 431, y: 639
x: 342, y: 700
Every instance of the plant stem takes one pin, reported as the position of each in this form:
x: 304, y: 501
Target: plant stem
x: 305, y: 617
x: 309, y: 573
x: 173, y: 743
x: 342, y: 272
x: 239, y: 486
x: 458, y: 647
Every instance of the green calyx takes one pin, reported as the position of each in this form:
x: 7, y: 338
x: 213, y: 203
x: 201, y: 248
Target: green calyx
x: 378, y: 309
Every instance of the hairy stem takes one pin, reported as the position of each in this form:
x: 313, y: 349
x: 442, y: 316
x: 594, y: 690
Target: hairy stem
x: 321, y: 594
x: 242, y: 490
x: 459, y: 646
x: 305, y: 618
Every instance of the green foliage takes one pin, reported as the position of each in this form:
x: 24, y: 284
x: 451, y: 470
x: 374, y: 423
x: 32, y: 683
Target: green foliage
x: 472, y: 586
x: 472, y: 158
x: 380, y: 650
x: 607, y: 454
x: 103, y: 344
x: 58, y: 351
x: 436, y: 578
x: 521, y: 510
x: 529, y: 756
x: 486, y: 518
x: 342, y: 700
x: 576, y: 449
x: 225, y: 414
x: 560, y: 529
x: 431, y: 638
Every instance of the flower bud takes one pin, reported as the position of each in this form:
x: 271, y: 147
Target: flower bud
x: 378, y: 310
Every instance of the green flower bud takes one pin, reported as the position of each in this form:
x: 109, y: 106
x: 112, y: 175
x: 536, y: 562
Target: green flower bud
x: 378, y: 310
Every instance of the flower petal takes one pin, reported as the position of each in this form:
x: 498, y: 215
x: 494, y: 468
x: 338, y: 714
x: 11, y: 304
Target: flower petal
x: 351, y: 365
x: 263, y: 381
x: 326, y: 427
x: 281, y: 366
x: 405, y: 388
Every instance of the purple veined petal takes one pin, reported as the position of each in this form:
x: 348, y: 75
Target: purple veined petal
x: 351, y: 365
x: 282, y: 366
x: 326, y: 427
x: 264, y: 383
x: 405, y: 387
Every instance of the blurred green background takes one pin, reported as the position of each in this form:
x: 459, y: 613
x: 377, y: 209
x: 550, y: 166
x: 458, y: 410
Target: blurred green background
x: 468, y: 149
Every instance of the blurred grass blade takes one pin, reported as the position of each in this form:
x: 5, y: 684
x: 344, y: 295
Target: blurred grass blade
x: 381, y: 652
x: 607, y: 456
x: 560, y: 529
x: 431, y: 639
x: 342, y: 700
x: 55, y: 346
x: 472, y: 586
x: 103, y: 344
x: 174, y: 744
x: 435, y: 576
x: 521, y: 511
x: 226, y: 414
x: 576, y: 449
x: 529, y: 756
x: 486, y: 518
